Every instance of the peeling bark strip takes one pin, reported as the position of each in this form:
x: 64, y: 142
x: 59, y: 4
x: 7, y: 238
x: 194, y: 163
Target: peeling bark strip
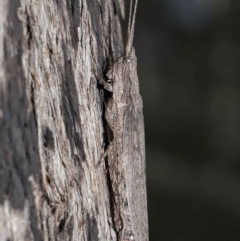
x: 51, y: 124
x: 125, y: 154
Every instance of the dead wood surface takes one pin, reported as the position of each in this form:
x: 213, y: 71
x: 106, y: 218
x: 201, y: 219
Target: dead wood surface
x: 51, y: 124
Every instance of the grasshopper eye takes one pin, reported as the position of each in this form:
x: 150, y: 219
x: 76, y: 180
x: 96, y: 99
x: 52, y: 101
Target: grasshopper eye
x: 127, y: 60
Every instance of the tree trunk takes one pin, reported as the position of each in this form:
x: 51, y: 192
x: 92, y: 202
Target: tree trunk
x: 51, y: 124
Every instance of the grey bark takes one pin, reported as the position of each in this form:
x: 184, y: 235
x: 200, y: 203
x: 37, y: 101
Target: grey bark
x: 51, y: 118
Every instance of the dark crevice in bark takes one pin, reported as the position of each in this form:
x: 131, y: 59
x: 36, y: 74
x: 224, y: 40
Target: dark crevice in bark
x: 48, y: 140
x: 73, y: 10
x: 92, y: 233
x: 29, y: 31
x: 111, y: 196
x: 70, y: 104
x: 32, y: 99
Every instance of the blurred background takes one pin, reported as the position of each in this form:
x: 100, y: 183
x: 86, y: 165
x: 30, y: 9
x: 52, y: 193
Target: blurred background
x: 188, y: 65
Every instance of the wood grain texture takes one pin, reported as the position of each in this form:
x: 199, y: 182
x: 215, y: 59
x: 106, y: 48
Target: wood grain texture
x: 51, y: 118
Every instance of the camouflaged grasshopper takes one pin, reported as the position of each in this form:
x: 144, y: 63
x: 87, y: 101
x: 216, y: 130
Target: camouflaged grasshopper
x: 125, y: 154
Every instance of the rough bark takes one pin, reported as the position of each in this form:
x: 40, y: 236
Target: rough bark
x: 51, y: 124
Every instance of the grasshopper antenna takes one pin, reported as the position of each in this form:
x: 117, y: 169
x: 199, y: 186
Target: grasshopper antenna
x: 129, y: 19
x: 131, y: 25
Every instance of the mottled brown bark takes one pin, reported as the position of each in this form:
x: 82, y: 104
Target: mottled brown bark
x: 51, y: 124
